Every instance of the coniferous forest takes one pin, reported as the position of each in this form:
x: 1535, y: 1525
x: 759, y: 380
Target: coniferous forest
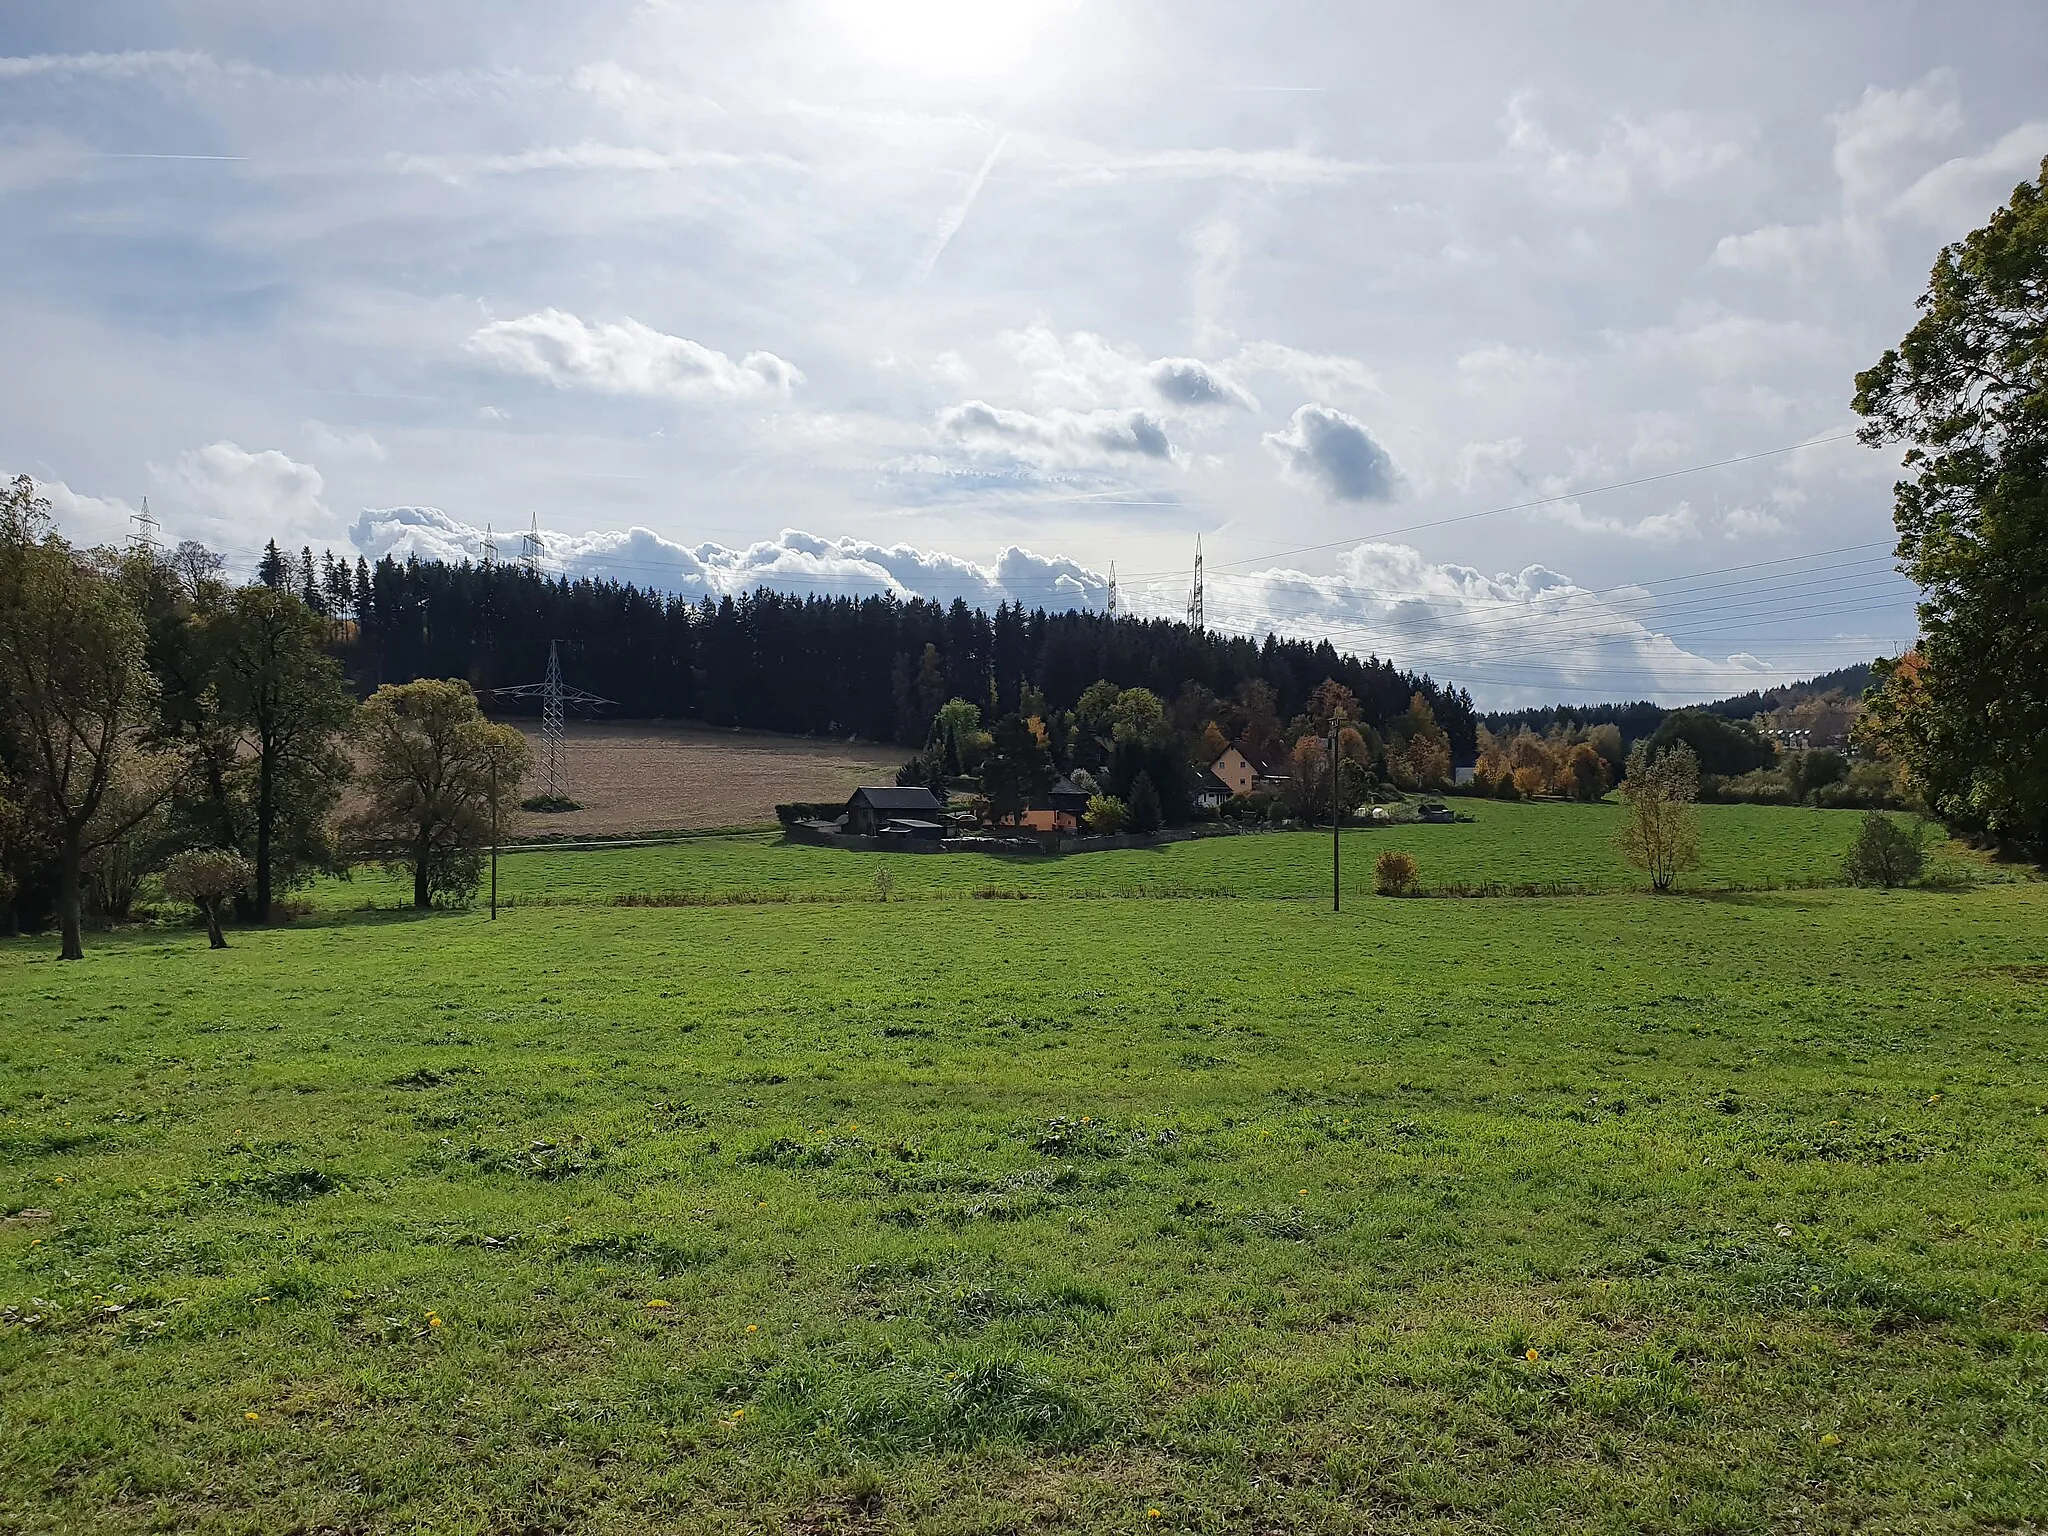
x: 876, y: 667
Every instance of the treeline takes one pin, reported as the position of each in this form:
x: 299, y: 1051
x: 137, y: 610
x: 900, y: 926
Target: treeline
x: 1640, y: 718
x: 878, y: 667
x: 154, y: 718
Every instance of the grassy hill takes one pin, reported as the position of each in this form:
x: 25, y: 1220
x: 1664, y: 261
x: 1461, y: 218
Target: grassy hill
x: 1703, y: 1213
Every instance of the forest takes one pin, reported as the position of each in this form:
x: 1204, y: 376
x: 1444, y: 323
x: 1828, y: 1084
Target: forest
x: 876, y: 667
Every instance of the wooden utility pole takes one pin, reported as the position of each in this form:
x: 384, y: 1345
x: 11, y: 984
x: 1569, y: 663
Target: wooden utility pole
x: 494, y: 837
x: 1336, y: 818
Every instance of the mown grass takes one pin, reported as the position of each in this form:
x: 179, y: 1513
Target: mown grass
x: 1508, y: 846
x: 1708, y: 1213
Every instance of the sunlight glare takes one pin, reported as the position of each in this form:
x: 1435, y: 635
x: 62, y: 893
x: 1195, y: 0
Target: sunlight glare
x: 946, y: 38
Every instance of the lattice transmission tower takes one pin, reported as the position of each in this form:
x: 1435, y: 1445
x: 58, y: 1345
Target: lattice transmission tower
x: 1195, y: 597
x: 556, y: 700
x: 531, y: 550
x: 146, y: 529
x: 1112, y: 589
x: 487, y: 548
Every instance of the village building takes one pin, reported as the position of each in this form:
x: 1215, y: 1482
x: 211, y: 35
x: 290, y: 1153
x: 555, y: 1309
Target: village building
x: 904, y: 810
x: 1061, y: 809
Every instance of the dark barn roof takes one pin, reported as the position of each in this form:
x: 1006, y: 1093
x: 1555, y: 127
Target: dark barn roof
x: 897, y: 797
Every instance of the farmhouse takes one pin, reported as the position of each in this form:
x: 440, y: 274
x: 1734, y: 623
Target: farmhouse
x: 909, y: 809
x: 1061, y: 809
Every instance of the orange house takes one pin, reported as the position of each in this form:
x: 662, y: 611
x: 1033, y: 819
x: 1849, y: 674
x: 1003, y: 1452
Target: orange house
x: 1238, y: 773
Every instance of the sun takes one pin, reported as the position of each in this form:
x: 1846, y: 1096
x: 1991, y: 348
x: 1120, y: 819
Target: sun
x: 946, y: 38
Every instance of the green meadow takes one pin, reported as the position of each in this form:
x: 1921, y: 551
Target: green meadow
x: 1192, y: 1206
x: 1512, y: 846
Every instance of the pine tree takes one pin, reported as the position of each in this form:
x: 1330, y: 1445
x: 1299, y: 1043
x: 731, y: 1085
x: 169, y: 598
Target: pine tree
x: 273, y: 570
x: 1144, y: 815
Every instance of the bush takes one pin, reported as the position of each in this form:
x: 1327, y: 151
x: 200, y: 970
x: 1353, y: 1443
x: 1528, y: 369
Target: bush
x: 1886, y: 853
x: 1869, y: 786
x: 1106, y: 814
x: 1394, y: 873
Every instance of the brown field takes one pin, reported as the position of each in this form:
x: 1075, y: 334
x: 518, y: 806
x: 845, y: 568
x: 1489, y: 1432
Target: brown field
x: 642, y: 776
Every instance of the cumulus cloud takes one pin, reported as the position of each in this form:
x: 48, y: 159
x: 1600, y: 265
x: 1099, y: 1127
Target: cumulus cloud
x: 626, y: 357
x: 1663, y: 153
x: 237, y: 495
x: 1959, y: 193
x: 1058, y: 438
x: 87, y: 519
x: 1333, y: 452
x: 1185, y: 381
x: 793, y: 561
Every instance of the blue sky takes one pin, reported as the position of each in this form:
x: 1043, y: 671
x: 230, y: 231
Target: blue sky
x: 978, y: 299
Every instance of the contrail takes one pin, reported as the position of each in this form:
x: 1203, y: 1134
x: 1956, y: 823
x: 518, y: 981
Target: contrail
x: 949, y: 226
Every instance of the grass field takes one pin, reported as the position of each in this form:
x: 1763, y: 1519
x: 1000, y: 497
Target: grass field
x: 1508, y: 845
x: 1705, y: 1213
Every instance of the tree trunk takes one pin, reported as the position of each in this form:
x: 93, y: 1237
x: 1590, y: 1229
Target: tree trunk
x: 265, y: 815
x: 422, y: 892
x: 69, y: 857
x: 215, y: 939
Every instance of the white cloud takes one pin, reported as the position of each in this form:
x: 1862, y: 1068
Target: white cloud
x: 1874, y: 137
x: 1058, y: 438
x: 1788, y: 249
x: 1680, y: 523
x: 1751, y: 523
x: 1335, y: 453
x: 626, y: 357
x: 1320, y: 373
x: 1663, y: 153
x: 239, y: 497
x: 793, y: 561
x: 86, y: 520
x: 1960, y: 194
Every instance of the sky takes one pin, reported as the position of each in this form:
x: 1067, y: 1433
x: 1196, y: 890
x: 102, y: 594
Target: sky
x: 1514, y: 344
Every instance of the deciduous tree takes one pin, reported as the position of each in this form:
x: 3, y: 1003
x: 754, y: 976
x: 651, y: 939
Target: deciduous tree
x: 1660, y: 828
x: 206, y: 877
x: 279, y: 687
x: 75, y: 692
x: 1967, y: 390
x: 431, y: 761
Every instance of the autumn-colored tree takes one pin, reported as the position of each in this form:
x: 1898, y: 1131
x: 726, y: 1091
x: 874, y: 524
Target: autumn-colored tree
x: 1394, y: 873
x: 1530, y: 781
x: 1584, y: 774
x: 1660, y: 829
x: 1106, y: 814
x: 1214, y: 743
x: 431, y: 765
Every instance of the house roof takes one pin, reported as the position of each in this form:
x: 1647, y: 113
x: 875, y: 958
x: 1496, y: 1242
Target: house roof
x: 1210, y: 782
x: 1067, y: 786
x: 897, y: 797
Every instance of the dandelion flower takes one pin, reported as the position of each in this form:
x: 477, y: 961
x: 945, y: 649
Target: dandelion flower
x: 1532, y: 1353
x: 1301, y: 1191
x: 252, y: 1417
x: 1152, y: 1514
x: 751, y: 1327
x: 433, y: 1320
x: 1830, y: 1439
x: 657, y: 1303
x: 59, y: 1179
